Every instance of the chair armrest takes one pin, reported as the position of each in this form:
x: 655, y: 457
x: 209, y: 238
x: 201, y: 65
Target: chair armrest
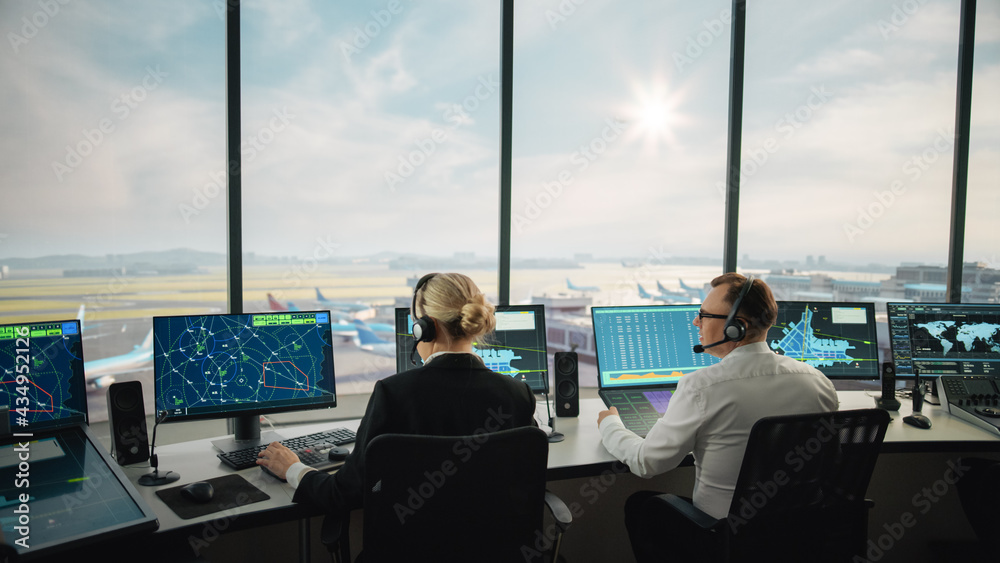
x: 685, y: 509
x: 560, y: 512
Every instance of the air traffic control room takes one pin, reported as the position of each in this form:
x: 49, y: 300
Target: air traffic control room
x: 219, y: 217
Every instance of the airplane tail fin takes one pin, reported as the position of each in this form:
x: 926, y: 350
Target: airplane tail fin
x: 366, y: 335
x: 660, y: 288
x: 80, y: 314
x: 274, y: 305
x: 147, y: 344
x: 292, y: 307
x: 642, y: 292
x: 319, y: 296
x: 684, y: 285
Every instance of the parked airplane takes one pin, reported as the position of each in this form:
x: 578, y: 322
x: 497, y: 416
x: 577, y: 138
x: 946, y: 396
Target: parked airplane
x: 369, y: 342
x: 80, y: 315
x: 664, y: 292
x: 341, y: 305
x: 664, y: 298
x: 570, y: 285
x: 350, y: 327
x: 100, y: 373
x: 693, y: 291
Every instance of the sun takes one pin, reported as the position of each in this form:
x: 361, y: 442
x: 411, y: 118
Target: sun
x: 654, y: 115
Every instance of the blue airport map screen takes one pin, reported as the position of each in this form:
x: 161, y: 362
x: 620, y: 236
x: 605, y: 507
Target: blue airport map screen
x: 516, y: 348
x: 43, y: 379
x: 646, y: 345
x: 836, y: 338
x: 216, y: 365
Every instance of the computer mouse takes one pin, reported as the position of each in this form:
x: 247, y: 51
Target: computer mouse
x: 918, y: 420
x: 338, y: 453
x: 199, y: 491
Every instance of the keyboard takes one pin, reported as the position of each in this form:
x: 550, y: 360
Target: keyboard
x: 639, y: 410
x: 307, y: 447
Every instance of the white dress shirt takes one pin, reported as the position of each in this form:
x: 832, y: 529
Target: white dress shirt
x: 710, y: 415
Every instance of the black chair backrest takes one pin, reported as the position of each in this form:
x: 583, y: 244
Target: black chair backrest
x: 450, y: 498
x: 796, y: 462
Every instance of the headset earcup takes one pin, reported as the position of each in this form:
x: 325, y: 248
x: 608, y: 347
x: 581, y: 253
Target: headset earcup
x: 423, y: 329
x: 735, y: 331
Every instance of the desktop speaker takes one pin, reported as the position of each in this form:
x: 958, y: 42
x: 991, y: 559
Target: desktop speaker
x: 888, y: 399
x: 127, y: 416
x: 567, y: 382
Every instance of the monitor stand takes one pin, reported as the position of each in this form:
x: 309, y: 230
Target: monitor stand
x: 247, y: 435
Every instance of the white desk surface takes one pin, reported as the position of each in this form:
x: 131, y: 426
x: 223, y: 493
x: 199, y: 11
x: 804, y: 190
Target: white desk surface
x: 580, y: 454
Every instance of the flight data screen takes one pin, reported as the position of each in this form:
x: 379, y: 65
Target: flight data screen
x: 644, y: 345
x: 43, y: 378
x: 217, y: 364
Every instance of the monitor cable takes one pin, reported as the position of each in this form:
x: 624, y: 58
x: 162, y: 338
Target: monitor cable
x: 155, y: 479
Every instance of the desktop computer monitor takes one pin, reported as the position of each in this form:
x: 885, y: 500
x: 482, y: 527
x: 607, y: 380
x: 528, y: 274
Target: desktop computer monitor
x: 241, y: 366
x: 516, y: 348
x: 836, y: 338
x: 43, y: 378
x: 646, y: 345
x: 935, y: 339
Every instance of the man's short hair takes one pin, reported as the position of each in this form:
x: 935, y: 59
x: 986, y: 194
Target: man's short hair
x: 758, y: 308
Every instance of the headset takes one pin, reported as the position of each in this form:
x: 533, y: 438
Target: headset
x: 423, y: 328
x: 734, y: 329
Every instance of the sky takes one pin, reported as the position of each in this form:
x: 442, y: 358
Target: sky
x: 374, y: 126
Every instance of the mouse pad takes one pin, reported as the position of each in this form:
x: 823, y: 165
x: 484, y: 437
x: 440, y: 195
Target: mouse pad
x: 231, y: 491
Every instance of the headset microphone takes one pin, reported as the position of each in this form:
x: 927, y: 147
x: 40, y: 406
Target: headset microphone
x: 734, y: 331
x: 698, y: 348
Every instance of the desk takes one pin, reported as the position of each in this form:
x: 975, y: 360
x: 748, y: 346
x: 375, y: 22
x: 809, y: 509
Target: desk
x: 573, y: 463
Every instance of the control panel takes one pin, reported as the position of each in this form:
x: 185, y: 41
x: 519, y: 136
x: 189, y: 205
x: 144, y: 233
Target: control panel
x: 974, y: 398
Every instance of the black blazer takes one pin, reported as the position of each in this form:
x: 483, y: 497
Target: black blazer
x: 452, y: 395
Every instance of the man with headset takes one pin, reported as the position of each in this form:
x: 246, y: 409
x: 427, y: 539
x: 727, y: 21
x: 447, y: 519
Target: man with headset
x: 712, y: 410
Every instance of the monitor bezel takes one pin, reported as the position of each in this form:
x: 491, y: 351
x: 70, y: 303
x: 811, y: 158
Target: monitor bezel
x: 872, y: 329
x: 892, y: 341
x: 252, y: 411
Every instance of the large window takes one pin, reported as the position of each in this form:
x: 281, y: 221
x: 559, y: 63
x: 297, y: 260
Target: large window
x: 847, y: 136
x: 370, y: 156
x: 619, y: 136
x: 982, y: 233
x: 113, y: 143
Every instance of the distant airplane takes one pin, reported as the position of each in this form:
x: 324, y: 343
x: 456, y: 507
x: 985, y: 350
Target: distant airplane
x: 664, y: 298
x: 100, y: 373
x: 692, y: 291
x: 341, y: 305
x: 369, y: 342
x: 276, y: 306
x: 570, y: 285
x: 628, y: 264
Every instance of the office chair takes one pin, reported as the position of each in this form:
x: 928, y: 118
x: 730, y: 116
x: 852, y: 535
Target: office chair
x: 460, y: 498
x: 799, y: 495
